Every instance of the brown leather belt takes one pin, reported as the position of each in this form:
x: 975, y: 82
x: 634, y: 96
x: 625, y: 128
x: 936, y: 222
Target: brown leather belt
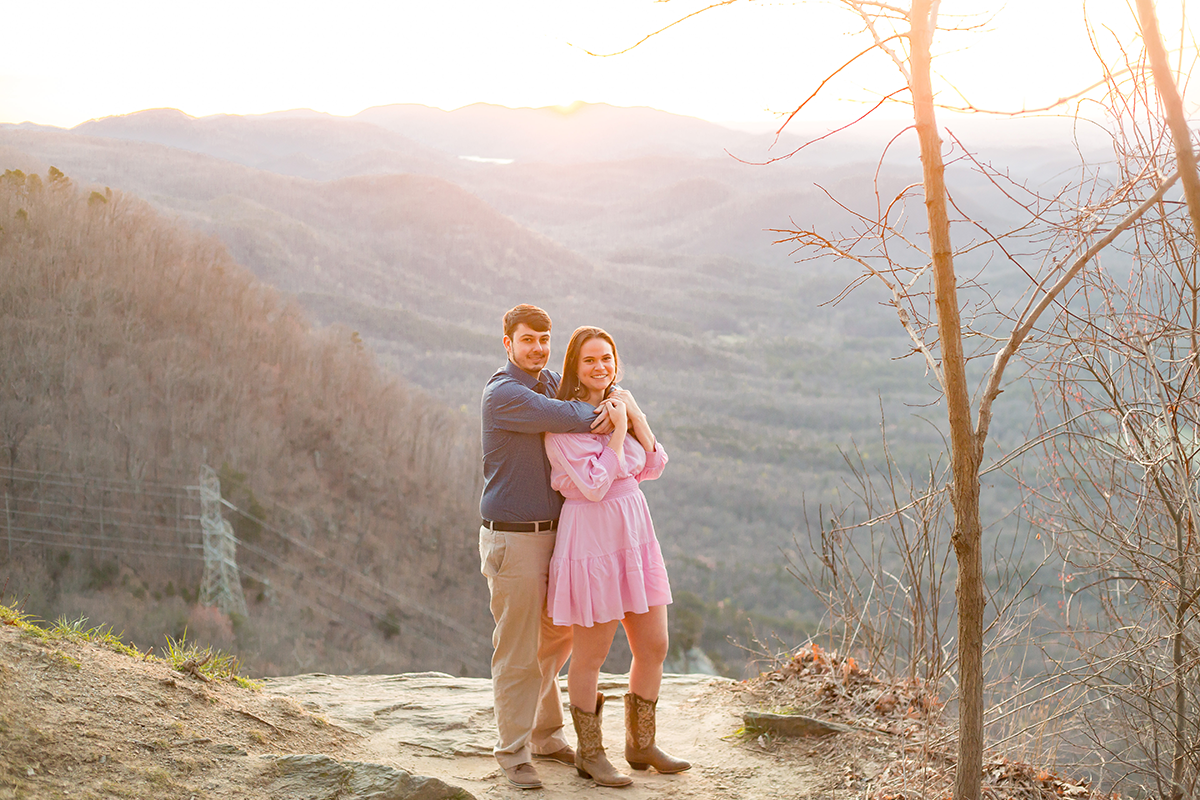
x: 522, y: 527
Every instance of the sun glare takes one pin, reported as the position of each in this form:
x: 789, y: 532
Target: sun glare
x: 567, y: 109
x: 461, y: 66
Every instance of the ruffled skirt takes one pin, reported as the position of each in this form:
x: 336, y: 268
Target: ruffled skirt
x: 607, y: 562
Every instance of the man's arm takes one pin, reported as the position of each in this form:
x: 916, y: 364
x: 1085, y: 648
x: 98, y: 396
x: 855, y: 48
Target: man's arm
x: 515, y: 407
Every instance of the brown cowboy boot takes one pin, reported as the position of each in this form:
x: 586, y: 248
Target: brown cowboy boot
x: 590, y: 760
x: 640, y: 750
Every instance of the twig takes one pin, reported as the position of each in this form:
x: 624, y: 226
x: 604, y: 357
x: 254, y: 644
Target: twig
x: 192, y: 667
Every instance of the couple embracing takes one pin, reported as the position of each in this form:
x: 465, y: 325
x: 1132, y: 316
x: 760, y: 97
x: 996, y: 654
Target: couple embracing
x: 563, y: 574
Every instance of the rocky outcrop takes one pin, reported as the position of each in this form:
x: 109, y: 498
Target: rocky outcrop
x: 318, y: 777
x: 443, y: 726
x: 792, y: 724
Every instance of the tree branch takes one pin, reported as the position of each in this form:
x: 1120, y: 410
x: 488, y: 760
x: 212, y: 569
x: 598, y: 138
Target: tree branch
x: 992, y: 391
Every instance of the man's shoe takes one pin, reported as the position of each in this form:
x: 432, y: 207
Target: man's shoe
x: 564, y: 756
x: 523, y: 776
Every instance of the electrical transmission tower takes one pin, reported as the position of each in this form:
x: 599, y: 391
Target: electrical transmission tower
x: 220, y: 586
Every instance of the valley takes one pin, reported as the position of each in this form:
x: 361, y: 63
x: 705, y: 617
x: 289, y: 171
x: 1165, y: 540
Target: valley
x: 634, y: 220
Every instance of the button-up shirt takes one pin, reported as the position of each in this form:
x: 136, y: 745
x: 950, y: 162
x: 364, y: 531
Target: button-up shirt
x: 517, y: 410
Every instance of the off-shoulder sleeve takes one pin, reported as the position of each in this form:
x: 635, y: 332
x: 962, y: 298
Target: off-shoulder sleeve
x: 583, y: 463
x: 656, y: 460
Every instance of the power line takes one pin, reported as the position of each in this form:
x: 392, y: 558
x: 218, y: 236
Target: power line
x: 302, y: 574
x: 106, y: 539
x: 419, y: 607
x: 44, y: 479
x: 306, y: 601
x: 82, y: 519
x: 75, y: 479
x: 438, y: 643
x: 118, y: 550
x: 128, y: 518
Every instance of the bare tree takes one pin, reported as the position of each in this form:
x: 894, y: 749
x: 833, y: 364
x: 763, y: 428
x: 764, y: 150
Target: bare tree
x: 945, y: 358
x: 919, y: 272
x: 1121, y: 400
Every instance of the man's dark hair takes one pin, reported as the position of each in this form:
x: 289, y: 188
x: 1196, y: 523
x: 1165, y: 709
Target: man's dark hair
x: 534, y: 317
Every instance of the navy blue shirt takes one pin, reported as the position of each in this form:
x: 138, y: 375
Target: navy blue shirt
x: 517, y: 410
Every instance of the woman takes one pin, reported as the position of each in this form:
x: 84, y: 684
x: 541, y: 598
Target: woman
x: 607, y: 565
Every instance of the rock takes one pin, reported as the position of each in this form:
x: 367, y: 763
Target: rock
x: 319, y: 777
x: 792, y: 724
x: 691, y: 662
x: 438, y: 712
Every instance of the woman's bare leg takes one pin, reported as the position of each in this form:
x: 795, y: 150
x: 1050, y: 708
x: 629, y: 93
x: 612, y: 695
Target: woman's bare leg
x: 648, y: 640
x: 587, y: 656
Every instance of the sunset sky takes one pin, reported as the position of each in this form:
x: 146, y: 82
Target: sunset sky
x: 66, y: 62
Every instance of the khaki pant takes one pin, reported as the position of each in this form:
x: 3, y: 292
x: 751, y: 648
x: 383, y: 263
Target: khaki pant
x: 529, y: 649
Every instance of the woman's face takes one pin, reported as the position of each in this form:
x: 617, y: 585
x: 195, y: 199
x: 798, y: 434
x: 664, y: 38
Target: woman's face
x: 597, y: 366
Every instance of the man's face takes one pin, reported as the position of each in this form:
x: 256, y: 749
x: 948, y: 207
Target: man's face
x: 528, y: 349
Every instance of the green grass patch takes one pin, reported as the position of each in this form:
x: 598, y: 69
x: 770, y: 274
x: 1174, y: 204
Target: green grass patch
x: 212, y: 664
x: 77, y: 630
x: 185, y: 656
x: 70, y: 661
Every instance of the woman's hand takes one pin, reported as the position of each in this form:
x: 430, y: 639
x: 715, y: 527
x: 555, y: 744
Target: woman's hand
x: 639, y: 426
x: 618, y: 412
x: 626, y: 397
x: 618, y: 415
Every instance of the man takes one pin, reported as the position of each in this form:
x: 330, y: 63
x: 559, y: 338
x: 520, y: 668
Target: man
x: 520, y: 514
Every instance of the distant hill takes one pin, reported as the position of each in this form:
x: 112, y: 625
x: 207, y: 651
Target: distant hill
x: 632, y: 219
x: 580, y: 133
x: 311, y: 144
x: 308, y: 145
x: 135, y: 351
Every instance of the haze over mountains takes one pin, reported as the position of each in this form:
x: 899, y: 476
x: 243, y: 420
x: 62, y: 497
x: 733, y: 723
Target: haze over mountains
x: 585, y: 132
x: 418, y: 228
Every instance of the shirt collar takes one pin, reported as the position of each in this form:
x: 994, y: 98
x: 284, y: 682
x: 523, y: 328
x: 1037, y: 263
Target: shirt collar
x: 527, y: 380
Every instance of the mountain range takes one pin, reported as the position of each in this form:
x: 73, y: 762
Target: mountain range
x: 418, y: 228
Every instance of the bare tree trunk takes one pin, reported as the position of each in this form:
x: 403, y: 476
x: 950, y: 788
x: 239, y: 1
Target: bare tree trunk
x: 964, y: 447
x: 1185, y: 156
x: 1179, y: 673
x: 1164, y: 81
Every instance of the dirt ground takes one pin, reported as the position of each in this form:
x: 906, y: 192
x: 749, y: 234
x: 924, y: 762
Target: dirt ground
x: 442, y: 726
x: 79, y: 721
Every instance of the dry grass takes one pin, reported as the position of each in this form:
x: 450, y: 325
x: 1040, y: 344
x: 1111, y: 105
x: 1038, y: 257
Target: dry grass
x: 82, y: 715
x: 906, y: 746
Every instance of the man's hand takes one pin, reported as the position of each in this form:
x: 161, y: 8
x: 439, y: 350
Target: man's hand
x: 602, y: 424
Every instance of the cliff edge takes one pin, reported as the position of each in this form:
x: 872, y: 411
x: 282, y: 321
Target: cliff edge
x: 80, y: 720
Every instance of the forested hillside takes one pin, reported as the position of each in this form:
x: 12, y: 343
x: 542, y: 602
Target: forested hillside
x: 135, y: 351
x: 756, y: 384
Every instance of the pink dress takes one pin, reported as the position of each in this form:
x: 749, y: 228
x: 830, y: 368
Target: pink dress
x: 607, y: 561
